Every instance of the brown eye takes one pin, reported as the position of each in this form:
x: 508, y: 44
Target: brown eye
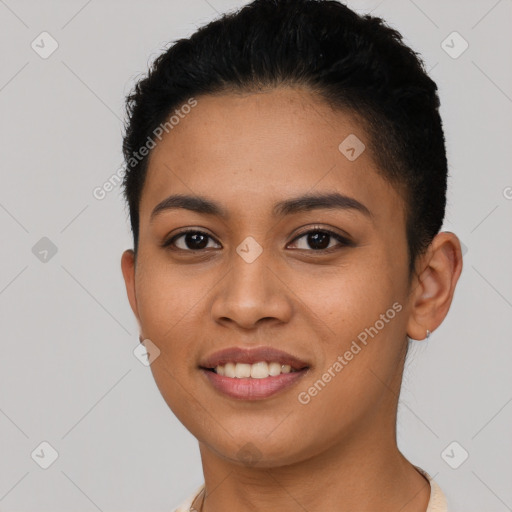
x: 189, y: 241
x: 320, y: 240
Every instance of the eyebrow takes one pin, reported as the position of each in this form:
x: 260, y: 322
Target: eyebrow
x: 307, y: 202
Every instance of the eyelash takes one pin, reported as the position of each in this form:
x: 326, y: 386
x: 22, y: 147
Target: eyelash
x: 344, y: 242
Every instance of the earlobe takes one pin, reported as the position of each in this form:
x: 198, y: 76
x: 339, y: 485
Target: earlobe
x: 434, y: 287
x: 128, y: 269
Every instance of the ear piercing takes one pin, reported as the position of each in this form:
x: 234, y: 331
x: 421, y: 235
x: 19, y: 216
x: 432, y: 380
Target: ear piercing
x: 428, y: 334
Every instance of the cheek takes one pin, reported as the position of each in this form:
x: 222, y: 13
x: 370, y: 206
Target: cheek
x: 360, y: 312
x: 167, y: 302
x: 164, y: 294
x: 348, y: 298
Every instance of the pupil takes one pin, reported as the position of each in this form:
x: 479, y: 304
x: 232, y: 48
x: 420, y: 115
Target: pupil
x: 194, y: 241
x: 319, y: 240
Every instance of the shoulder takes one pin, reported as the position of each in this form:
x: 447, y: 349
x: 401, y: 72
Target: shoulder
x: 185, y: 505
x: 437, y: 502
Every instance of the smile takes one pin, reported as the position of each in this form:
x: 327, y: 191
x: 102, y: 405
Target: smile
x: 252, y: 388
x: 260, y: 370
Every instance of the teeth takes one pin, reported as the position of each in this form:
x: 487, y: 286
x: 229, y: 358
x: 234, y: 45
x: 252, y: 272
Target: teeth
x: 229, y: 370
x: 259, y: 370
x: 274, y: 369
x: 242, y: 370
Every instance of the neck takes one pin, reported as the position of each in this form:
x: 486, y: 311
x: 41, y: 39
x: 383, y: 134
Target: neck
x: 362, y: 474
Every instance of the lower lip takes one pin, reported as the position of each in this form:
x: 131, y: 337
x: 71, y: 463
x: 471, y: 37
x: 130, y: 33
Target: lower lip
x: 252, y: 389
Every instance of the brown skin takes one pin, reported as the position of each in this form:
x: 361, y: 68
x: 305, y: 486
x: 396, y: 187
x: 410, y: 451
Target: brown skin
x: 339, y: 451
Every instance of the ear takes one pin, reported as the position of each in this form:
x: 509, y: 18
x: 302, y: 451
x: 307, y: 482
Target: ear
x: 437, y: 273
x: 128, y: 269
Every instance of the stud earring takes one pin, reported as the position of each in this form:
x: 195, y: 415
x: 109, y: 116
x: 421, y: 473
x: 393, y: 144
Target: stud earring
x: 428, y: 334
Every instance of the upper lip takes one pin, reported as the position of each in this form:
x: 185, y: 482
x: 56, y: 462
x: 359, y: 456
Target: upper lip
x: 251, y: 356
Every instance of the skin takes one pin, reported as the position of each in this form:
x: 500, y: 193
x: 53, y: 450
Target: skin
x: 248, y: 151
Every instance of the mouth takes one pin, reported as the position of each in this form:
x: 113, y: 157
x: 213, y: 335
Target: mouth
x: 252, y: 374
x: 252, y: 388
x: 259, y: 370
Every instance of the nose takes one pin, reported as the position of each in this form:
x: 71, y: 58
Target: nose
x: 252, y: 294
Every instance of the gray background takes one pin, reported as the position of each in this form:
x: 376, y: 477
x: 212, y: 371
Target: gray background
x: 68, y: 373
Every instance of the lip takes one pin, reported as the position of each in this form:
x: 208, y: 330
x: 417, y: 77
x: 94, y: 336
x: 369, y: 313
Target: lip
x: 251, y: 356
x: 252, y: 389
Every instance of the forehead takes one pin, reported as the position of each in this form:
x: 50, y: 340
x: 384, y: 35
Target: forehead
x: 253, y: 149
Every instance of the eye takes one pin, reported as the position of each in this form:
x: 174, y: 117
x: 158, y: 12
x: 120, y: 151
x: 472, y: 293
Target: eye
x: 317, y: 240
x: 320, y: 240
x: 191, y: 240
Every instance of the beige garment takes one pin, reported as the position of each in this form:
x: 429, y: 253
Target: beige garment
x: 437, y: 502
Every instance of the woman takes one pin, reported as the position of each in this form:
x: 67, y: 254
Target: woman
x: 286, y: 180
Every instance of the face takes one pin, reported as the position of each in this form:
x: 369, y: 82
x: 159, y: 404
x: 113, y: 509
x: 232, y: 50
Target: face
x: 327, y: 283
